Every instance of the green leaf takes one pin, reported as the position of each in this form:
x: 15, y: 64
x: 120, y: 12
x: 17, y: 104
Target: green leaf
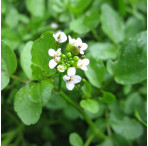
x: 11, y: 37
x: 86, y: 89
x: 112, y: 24
x: 90, y: 104
x: 28, y: 111
x: 36, y: 7
x: 40, y: 92
x: 75, y: 139
x: 40, y: 57
x: 9, y: 58
x: 26, y: 59
x: 133, y: 26
x: 108, y: 98
x: 131, y: 67
x: 102, y: 51
x: 4, y: 80
x: 115, y: 140
x: 85, y: 23
x: 127, y: 127
x: 95, y: 72
x: 12, y: 18
x: 8, y: 63
x: 78, y: 6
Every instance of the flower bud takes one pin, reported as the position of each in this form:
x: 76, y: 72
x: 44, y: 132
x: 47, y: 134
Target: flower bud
x: 75, y: 58
x: 61, y: 68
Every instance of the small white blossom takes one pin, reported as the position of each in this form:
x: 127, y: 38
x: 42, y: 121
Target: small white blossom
x: 71, y: 79
x: 61, y: 68
x: 72, y: 41
x: 81, y: 46
x: 60, y: 37
x: 56, y: 57
x: 82, y: 63
x: 78, y: 44
x: 54, y: 25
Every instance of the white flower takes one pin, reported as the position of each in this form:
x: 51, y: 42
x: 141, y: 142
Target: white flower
x: 71, y: 79
x: 61, y: 68
x: 54, y: 25
x: 81, y: 46
x: 56, y: 57
x: 82, y: 63
x: 78, y: 44
x: 60, y: 37
x: 72, y: 41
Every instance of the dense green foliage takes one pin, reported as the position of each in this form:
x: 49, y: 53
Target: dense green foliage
x: 108, y: 107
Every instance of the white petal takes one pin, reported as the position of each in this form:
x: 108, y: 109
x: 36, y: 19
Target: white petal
x: 70, y: 39
x: 76, y: 79
x: 84, y: 68
x: 52, y: 64
x: 54, y: 25
x: 70, y: 85
x: 61, y: 68
x: 81, y: 52
x: 79, y: 63
x: 84, y: 46
x: 66, y: 78
x: 57, y: 59
x: 86, y: 61
x: 58, y: 52
x: 79, y: 42
x: 71, y: 71
x: 51, y: 52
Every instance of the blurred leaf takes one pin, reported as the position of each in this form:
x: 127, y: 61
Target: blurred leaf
x: 102, y: 51
x: 133, y: 26
x: 75, y: 139
x: 115, y: 140
x: 12, y: 18
x: 40, y: 57
x: 85, y: 23
x: 11, y: 37
x: 112, y: 24
x: 36, y: 7
x: 108, y: 98
x: 86, y: 89
x: 127, y: 127
x: 139, y: 118
x: 26, y: 59
x: 90, y: 104
x: 28, y: 111
x: 56, y: 102
x: 95, y: 72
x: 131, y: 66
x: 8, y: 63
x: 78, y: 6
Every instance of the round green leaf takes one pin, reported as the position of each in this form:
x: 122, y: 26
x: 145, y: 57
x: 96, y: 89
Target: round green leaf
x: 90, y: 104
x: 131, y: 67
x: 28, y: 111
x: 108, y: 98
x: 4, y: 80
x: 75, y: 139
x: 112, y: 24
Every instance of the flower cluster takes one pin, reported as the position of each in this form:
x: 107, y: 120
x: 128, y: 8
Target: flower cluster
x: 69, y: 61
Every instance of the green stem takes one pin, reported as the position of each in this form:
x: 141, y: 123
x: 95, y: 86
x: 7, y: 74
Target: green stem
x: 16, y: 77
x: 60, y: 82
x: 90, y: 138
x: 87, y: 119
x: 96, y: 36
x: 108, y: 125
